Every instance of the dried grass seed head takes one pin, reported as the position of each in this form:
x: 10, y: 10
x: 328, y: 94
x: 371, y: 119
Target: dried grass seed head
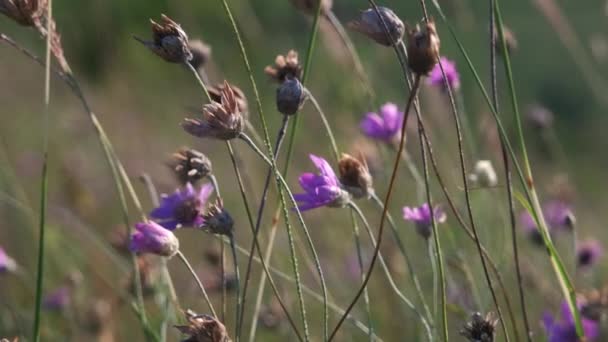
x: 25, y: 12
x: 479, y: 328
x: 190, y: 165
x: 169, y: 41
x: 203, y: 328
x: 423, y: 48
x: 290, y: 97
x: 216, y: 95
x: 372, y: 25
x: 220, y: 120
x: 285, y: 67
x: 201, y: 53
x: 309, y: 7
x: 355, y: 176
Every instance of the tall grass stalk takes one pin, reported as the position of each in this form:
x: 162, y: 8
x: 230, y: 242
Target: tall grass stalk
x: 184, y: 260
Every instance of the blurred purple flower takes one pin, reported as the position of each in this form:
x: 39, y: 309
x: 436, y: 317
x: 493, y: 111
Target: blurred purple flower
x: 321, y: 190
x: 150, y: 237
x: 7, y: 264
x: 385, y: 126
x: 421, y: 217
x: 58, y: 299
x: 184, y: 208
x: 436, y: 76
x: 564, y: 330
x: 558, y: 215
x: 588, y: 253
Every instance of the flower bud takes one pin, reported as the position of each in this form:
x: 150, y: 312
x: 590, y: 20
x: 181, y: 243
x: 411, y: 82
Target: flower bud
x: 423, y: 48
x: 285, y: 67
x: 480, y: 329
x: 217, y: 220
x: 310, y: 6
x: 484, y: 174
x: 290, y: 96
x: 372, y: 25
x: 190, y: 165
x: 169, y: 41
x: 203, y: 328
x: 355, y: 176
x: 150, y: 237
x: 201, y: 53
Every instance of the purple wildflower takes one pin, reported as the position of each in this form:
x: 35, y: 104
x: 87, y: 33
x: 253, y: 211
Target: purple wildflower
x: 151, y: 237
x: 557, y: 214
x: 384, y: 126
x: 564, y: 330
x: 321, y: 190
x: 7, y: 264
x: 58, y: 299
x: 184, y: 208
x: 436, y: 76
x: 588, y: 253
x: 421, y: 216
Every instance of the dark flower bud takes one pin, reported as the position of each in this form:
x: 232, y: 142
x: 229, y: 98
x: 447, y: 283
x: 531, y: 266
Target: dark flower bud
x: 217, y: 220
x: 24, y: 12
x: 190, y: 165
x: 423, y: 48
x: 310, y: 6
x: 203, y: 328
x: 285, y: 67
x: 220, y: 120
x: 371, y: 24
x: 201, y: 53
x: 355, y: 176
x: 290, y: 96
x: 480, y: 329
x: 169, y: 41
x: 216, y: 95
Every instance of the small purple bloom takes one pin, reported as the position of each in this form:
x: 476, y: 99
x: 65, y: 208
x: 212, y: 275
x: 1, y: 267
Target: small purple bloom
x: 436, y: 76
x: 564, y: 330
x: 7, y: 264
x: 557, y: 214
x: 58, y: 299
x: 385, y: 126
x: 588, y: 253
x: 421, y: 216
x: 184, y: 208
x: 321, y: 190
x: 150, y: 237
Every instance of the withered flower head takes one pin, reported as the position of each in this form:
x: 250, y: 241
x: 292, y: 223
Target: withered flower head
x: 217, y: 220
x: 480, y: 329
x: 509, y: 39
x: 216, y: 95
x: 220, y: 120
x: 594, y: 304
x: 285, y: 67
x: 203, y: 328
x: 170, y: 41
x: 355, y: 176
x: 371, y: 24
x: 190, y: 165
x: 24, y: 12
x: 201, y: 53
x: 423, y: 48
x: 310, y: 6
x: 290, y: 96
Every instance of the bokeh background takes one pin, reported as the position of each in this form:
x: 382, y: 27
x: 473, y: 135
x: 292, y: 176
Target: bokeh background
x: 560, y: 64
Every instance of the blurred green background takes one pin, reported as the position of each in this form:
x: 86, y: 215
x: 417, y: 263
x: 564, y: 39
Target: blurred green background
x: 561, y: 63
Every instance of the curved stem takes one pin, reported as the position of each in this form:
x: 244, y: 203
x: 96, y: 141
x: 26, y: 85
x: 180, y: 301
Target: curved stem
x: 330, y: 134
x: 183, y: 259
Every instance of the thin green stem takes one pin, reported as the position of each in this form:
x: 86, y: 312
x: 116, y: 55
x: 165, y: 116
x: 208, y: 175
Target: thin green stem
x: 368, y: 308
x: 183, y: 259
x: 433, y: 261
x: 239, y: 306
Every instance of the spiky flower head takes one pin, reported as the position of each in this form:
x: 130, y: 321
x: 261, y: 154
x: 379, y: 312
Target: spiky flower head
x: 321, y: 190
x: 216, y: 96
x: 355, y: 176
x: 479, y: 328
x: 290, y: 96
x: 203, y: 328
x: 184, y: 208
x: 309, y: 7
x: 423, y: 48
x: 150, y: 237
x: 220, y: 120
x: 190, y: 165
x: 372, y: 25
x: 25, y: 12
x: 285, y: 67
x: 451, y: 73
x: 201, y: 53
x: 421, y: 217
x: 169, y: 41
x: 217, y: 220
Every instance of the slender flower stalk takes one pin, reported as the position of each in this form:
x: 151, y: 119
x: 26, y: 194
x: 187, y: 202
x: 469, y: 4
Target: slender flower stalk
x: 183, y: 259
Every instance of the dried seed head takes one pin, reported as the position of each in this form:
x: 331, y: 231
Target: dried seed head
x: 539, y: 117
x: 220, y: 120
x: 201, y: 53
x: 216, y: 95
x: 371, y: 24
x: 423, y: 48
x: 594, y: 304
x: 480, y: 329
x: 484, y: 174
x: 310, y: 6
x: 285, y: 67
x: 190, y: 165
x: 509, y: 39
x: 217, y: 220
x: 169, y: 42
x: 25, y: 12
x: 290, y: 96
x: 203, y: 328
x: 98, y: 316
x: 355, y: 176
